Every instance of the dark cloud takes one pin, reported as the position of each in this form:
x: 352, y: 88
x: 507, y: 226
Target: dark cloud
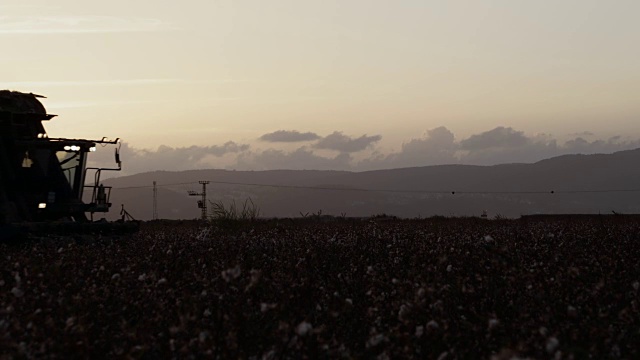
x: 196, y: 153
x: 615, y: 143
x: 499, y: 137
x: 438, y: 146
x: 583, y: 133
x: 300, y: 159
x: 512, y: 146
x: 343, y: 143
x: 165, y: 157
x: 289, y: 136
x: 437, y: 142
x: 526, y: 150
x: 498, y: 146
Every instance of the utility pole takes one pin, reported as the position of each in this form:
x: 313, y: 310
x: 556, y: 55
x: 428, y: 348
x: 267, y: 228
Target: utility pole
x: 202, y: 204
x: 155, y: 201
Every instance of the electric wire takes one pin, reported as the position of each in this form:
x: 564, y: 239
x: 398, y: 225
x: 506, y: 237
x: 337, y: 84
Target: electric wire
x: 452, y: 192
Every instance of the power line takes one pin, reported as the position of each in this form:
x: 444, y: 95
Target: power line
x: 453, y: 192
x: 149, y: 186
x: 155, y: 201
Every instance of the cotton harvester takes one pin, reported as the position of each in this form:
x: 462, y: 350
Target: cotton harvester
x: 42, y: 179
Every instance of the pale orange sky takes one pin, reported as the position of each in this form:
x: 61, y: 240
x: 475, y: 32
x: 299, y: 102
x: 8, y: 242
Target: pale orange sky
x: 198, y: 72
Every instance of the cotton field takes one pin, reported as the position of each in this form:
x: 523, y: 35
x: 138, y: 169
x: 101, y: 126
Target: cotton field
x: 436, y: 288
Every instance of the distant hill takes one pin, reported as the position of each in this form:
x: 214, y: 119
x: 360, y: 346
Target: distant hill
x: 577, y: 182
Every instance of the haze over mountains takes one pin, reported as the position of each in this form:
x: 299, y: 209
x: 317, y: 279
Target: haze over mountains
x: 580, y: 184
x: 295, y: 150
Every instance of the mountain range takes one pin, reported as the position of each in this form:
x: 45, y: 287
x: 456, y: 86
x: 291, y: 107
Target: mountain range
x: 587, y: 184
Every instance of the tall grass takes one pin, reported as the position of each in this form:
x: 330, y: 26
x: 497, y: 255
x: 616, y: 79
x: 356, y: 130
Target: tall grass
x: 221, y: 211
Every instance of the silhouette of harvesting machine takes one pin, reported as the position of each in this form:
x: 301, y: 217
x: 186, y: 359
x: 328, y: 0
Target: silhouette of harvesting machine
x: 43, y: 179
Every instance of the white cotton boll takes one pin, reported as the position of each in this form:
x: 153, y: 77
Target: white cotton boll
x: 375, y: 340
x: 60, y: 250
x: 349, y: 301
x: 449, y: 268
x: 303, y: 328
x: 433, y: 325
x: 552, y: 344
x: 493, y: 323
x: 115, y: 276
x: 488, y: 238
x: 615, y: 351
x: 202, y: 337
x: 162, y: 281
x: 231, y: 274
x: 142, y: 277
x: 370, y: 270
x: 403, y: 312
x: 206, y: 312
x: 17, y: 292
x: 269, y: 355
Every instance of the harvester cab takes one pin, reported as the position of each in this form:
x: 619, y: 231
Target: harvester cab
x: 41, y: 178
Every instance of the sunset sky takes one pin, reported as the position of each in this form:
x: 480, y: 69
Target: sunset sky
x: 362, y: 79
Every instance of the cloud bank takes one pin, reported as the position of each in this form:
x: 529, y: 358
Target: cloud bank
x: 436, y: 147
x: 339, y: 142
x: 302, y: 158
x: 288, y: 136
x: 166, y: 157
